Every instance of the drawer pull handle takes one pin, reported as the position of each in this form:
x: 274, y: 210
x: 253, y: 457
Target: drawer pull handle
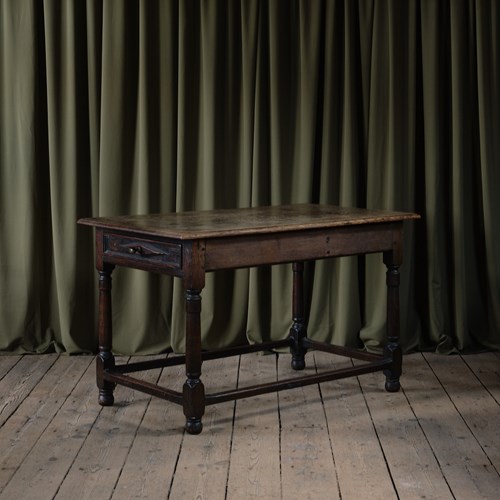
x: 145, y: 251
x: 140, y: 253
x: 135, y: 250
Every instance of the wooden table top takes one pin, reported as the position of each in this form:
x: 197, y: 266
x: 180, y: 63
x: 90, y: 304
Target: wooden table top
x: 245, y: 221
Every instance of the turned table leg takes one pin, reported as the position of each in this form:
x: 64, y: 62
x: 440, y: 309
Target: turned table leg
x: 392, y: 348
x: 193, y: 390
x: 298, y: 331
x: 105, y: 359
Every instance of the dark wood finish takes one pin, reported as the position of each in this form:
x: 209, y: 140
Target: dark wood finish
x: 144, y: 386
x: 298, y: 330
x: 392, y: 348
x: 193, y: 392
x: 148, y: 254
x: 252, y: 250
x: 105, y: 358
x: 291, y: 383
x: 189, y: 244
x: 214, y: 354
x: 209, y: 224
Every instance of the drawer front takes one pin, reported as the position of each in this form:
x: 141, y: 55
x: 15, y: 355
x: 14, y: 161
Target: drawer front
x: 142, y: 253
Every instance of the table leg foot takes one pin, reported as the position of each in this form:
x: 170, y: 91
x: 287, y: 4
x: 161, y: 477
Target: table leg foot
x: 297, y: 349
x: 298, y: 363
x: 106, y: 397
x: 392, y: 375
x: 105, y: 360
x: 193, y: 425
x: 194, y: 405
x: 392, y: 385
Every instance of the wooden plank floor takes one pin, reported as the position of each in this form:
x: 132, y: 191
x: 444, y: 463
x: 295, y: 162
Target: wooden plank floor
x: 437, y: 438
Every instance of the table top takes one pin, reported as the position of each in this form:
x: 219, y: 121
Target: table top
x: 245, y: 221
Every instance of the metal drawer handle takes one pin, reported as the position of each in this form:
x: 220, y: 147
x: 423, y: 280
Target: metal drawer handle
x: 145, y: 251
x: 135, y: 250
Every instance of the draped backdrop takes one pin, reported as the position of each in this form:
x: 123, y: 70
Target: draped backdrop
x: 137, y: 106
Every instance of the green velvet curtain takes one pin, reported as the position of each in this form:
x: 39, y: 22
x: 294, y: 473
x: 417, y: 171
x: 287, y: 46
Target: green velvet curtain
x: 135, y: 106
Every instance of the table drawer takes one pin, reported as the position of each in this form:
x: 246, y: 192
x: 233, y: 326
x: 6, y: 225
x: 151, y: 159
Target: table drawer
x: 142, y: 252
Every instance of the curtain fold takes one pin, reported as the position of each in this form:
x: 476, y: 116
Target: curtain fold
x: 488, y: 206
x: 144, y: 106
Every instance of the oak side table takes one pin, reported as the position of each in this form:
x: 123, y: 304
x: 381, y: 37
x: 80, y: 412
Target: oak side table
x: 189, y: 244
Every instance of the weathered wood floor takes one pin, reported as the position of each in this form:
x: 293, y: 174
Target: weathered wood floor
x: 437, y: 438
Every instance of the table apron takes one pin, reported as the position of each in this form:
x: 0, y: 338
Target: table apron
x: 232, y: 252
x: 268, y: 249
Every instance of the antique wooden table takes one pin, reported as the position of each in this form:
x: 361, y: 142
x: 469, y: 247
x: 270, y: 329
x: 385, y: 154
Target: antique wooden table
x: 189, y: 244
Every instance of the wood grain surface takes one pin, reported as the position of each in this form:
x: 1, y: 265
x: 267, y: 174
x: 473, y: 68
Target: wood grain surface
x: 245, y: 221
x: 437, y: 438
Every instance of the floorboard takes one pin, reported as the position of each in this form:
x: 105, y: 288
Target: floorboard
x: 29, y: 423
x: 97, y: 467
x: 43, y: 470
x: 465, y: 465
x: 254, y: 470
x: 439, y: 437
x: 409, y: 457
x: 203, y: 462
x: 7, y: 362
x: 307, y: 463
x: 347, y: 414
x: 149, y: 467
x: 19, y: 381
